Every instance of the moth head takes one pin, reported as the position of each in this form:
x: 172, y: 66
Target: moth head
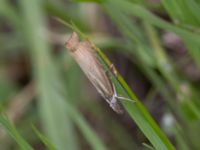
x: 72, y: 42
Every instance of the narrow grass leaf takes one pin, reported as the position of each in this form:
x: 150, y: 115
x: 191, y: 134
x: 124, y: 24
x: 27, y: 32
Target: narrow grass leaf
x: 138, y: 112
x: 86, y: 130
x: 44, y: 139
x: 170, y: 73
x: 55, y: 120
x: 10, y: 14
x: 145, y: 15
x: 12, y: 131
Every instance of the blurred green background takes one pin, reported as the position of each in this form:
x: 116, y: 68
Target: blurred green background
x: 46, y: 102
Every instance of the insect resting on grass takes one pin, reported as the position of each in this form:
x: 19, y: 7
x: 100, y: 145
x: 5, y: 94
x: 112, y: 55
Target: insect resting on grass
x: 86, y: 57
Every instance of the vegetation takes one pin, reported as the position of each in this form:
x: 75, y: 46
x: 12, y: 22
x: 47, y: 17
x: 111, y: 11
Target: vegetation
x: 46, y: 102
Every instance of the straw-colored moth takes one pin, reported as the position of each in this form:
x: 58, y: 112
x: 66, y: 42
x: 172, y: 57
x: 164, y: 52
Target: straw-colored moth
x: 86, y: 57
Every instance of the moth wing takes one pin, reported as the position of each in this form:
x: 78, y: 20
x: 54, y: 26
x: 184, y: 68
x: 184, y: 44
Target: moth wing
x: 100, y: 88
x: 93, y: 69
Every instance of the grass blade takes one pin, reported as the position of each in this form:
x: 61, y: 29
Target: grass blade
x: 12, y: 131
x: 138, y: 112
x: 55, y: 120
x: 44, y: 139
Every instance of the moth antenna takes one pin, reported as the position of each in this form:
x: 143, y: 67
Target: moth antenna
x: 126, y: 99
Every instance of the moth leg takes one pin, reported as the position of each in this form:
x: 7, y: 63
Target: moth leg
x: 125, y: 99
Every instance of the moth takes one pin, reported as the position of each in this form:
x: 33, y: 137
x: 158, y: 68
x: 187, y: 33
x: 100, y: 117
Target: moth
x: 86, y: 57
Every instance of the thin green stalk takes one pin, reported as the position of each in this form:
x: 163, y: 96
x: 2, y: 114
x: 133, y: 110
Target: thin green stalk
x: 139, y: 113
x: 44, y: 139
x: 55, y: 120
x: 12, y: 131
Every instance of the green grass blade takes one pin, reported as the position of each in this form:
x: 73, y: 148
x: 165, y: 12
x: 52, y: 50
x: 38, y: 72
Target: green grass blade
x: 54, y: 109
x: 12, y: 131
x: 173, y: 9
x: 183, y: 11
x: 194, y: 8
x: 169, y: 72
x: 192, y: 39
x: 61, y: 12
x: 44, y: 139
x: 147, y: 16
x: 10, y: 14
x: 55, y: 120
x: 138, y: 45
x: 138, y: 112
x: 86, y: 130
